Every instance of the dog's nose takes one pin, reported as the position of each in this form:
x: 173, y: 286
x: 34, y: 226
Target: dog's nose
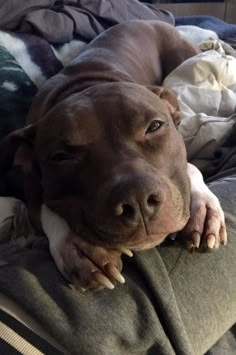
x: 130, y: 210
x: 134, y: 201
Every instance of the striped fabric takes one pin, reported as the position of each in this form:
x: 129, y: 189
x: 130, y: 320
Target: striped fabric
x: 20, y: 335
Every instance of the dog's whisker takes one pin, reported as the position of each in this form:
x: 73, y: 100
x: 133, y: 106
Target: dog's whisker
x: 102, y: 280
x: 114, y: 272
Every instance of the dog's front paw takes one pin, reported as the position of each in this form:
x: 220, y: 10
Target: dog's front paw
x: 206, y: 228
x: 84, y: 265
x: 87, y: 266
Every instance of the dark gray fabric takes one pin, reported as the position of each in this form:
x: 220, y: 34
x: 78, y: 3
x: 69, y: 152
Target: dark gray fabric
x: 172, y: 302
x: 134, y: 319
x: 225, y: 156
x: 226, y: 345
x: 59, y: 21
x: 205, y: 285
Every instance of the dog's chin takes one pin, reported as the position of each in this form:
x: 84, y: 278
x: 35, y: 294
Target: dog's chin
x: 139, y: 240
x: 153, y: 241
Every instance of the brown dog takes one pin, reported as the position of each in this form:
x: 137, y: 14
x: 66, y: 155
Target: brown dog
x: 102, y: 151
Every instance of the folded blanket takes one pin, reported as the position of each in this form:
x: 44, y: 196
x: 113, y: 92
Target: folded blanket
x: 32, y: 54
x: 223, y: 29
x: 37, y: 58
x: 59, y: 21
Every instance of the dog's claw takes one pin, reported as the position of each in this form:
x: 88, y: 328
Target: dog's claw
x: 102, y: 280
x: 194, y: 243
x: 223, y: 242
x: 211, y: 241
x: 196, y: 239
x: 126, y: 251
x: 190, y: 247
x: 223, y: 235
x: 114, y: 272
x: 75, y: 286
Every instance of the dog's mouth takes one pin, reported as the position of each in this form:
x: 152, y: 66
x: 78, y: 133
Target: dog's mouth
x: 101, y: 235
x: 137, y: 239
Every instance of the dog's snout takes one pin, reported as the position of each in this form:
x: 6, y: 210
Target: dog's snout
x: 133, y: 201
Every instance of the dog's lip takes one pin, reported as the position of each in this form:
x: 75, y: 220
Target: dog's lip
x: 99, y: 233
x: 138, y: 239
x: 135, y: 241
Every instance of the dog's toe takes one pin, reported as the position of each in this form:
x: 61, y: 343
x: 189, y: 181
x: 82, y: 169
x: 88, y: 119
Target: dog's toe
x: 206, y: 229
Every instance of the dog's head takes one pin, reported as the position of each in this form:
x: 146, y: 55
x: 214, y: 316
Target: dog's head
x: 111, y: 161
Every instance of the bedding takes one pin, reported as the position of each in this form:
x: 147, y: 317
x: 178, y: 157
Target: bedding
x: 26, y: 61
x: 206, y: 89
x: 16, y: 93
x: 59, y: 21
x: 223, y: 29
x: 196, y: 34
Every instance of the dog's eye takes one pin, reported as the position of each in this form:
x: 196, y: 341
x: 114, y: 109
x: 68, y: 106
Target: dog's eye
x: 154, y: 126
x: 60, y: 156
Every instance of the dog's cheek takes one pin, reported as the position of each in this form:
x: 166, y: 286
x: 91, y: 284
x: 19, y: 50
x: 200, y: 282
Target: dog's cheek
x: 58, y: 180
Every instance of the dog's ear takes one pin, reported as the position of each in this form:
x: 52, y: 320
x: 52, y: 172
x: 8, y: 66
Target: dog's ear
x: 171, y: 100
x: 16, y: 148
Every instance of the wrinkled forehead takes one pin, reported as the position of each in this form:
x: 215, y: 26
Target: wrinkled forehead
x: 104, y: 110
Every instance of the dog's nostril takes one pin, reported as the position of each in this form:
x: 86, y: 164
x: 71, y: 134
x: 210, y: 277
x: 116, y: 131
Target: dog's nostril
x: 128, y: 211
x: 125, y: 210
x: 152, y: 200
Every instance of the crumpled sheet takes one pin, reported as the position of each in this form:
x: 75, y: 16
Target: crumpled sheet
x: 206, y: 89
x: 59, y: 21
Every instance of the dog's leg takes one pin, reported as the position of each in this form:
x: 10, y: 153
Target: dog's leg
x: 81, y: 263
x: 206, y: 226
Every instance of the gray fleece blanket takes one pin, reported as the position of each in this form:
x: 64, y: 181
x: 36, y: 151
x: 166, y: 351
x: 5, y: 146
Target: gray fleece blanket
x: 172, y: 302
